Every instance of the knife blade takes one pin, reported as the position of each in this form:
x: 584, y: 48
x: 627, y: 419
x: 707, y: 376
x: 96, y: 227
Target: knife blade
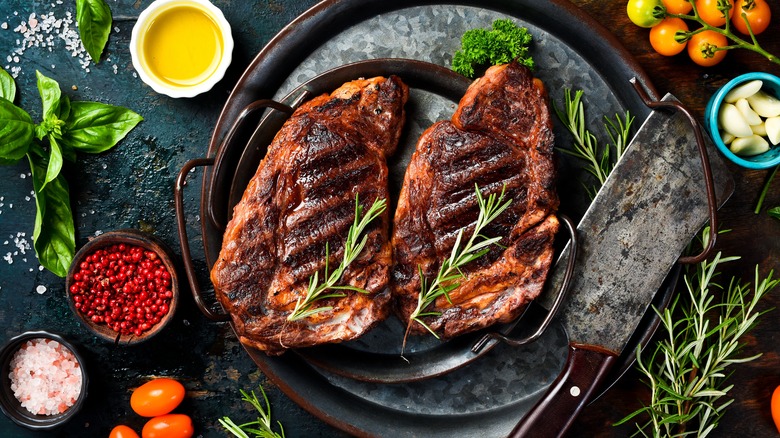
x: 651, y: 206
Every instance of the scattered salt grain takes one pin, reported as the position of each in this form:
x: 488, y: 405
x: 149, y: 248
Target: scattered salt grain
x: 41, y: 289
x: 45, y: 377
x: 4, y: 25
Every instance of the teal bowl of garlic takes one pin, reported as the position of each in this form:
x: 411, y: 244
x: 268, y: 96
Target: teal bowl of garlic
x: 743, y: 118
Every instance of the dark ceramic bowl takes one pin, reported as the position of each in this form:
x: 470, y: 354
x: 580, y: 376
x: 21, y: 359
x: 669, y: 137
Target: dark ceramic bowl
x: 12, y: 408
x: 128, y: 237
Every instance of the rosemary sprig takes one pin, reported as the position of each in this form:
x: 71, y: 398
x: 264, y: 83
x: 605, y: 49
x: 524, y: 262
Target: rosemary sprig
x: 317, y: 291
x: 260, y: 428
x: 688, y: 370
x: 599, y: 161
x: 450, y: 269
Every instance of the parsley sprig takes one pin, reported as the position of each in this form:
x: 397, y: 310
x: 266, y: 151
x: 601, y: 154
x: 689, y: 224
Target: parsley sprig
x: 330, y: 288
x: 450, y: 269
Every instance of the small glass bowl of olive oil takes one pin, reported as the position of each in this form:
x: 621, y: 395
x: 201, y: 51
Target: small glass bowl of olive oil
x: 181, y: 48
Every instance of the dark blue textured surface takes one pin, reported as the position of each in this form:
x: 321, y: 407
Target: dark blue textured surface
x: 131, y: 186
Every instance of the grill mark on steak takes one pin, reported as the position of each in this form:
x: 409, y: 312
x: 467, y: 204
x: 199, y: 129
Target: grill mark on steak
x: 500, y: 137
x: 302, y: 201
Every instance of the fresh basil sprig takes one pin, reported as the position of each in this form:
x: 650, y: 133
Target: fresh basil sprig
x: 94, y: 20
x: 66, y: 127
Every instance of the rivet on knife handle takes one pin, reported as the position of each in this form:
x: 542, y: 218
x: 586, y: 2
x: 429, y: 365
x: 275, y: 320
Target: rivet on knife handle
x: 585, y: 369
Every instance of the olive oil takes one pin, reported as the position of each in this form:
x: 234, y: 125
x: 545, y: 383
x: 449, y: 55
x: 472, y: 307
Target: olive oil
x: 182, y: 46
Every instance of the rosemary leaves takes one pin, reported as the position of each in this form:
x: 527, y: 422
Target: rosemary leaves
x: 687, y: 371
x: 260, y: 428
x: 599, y: 161
x: 450, y: 269
x: 330, y: 288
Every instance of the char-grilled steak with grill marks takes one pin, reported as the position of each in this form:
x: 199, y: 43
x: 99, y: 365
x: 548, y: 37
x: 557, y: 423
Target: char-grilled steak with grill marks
x: 300, y: 205
x: 499, y: 137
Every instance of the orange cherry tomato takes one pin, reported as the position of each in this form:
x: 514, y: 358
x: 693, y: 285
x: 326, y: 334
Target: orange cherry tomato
x: 157, y: 397
x: 168, y: 426
x: 709, y: 12
x: 756, y: 12
x: 775, y: 405
x: 122, y: 431
x: 662, y: 36
x: 677, y: 6
x: 702, y: 48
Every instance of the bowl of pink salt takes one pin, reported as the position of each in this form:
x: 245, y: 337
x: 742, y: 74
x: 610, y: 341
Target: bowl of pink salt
x: 43, y: 380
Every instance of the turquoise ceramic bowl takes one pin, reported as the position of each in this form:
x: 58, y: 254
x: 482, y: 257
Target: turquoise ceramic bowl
x: 768, y: 159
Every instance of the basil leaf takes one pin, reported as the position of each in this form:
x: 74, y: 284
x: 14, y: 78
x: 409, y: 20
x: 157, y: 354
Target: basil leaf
x: 54, y: 234
x: 50, y: 93
x: 7, y: 86
x: 94, y: 20
x: 55, y: 161
x: 16, y: 132
x: 774, y: 212
x: 95, y: 127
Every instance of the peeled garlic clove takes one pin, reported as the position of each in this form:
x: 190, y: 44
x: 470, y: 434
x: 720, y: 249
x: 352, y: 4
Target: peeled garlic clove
x: 732, y: 121
x: 747, y: 112
x: 764, y: 104
x: 748, y: 146
x: 773, y: 129
x: 759, y: 129
x: 743, y: 91
x: 727, y: 138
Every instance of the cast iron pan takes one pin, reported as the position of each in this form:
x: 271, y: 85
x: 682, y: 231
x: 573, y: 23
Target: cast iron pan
x: 348, y: 405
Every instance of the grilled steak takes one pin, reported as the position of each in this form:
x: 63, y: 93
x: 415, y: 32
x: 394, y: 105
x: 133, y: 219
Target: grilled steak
x: 500, y: 137
x: 299, y: 206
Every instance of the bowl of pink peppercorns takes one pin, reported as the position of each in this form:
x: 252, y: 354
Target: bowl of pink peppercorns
x: 123, y: 286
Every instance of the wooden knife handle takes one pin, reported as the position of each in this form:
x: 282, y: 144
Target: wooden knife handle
x: 585, y: 369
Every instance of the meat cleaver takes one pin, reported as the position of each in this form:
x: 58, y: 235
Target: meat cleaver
x: 651, y: 206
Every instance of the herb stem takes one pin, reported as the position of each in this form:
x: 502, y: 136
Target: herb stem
x: 317, y: 291
x: 765, y: 190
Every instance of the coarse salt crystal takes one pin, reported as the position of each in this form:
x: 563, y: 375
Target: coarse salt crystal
x: 45, y: 377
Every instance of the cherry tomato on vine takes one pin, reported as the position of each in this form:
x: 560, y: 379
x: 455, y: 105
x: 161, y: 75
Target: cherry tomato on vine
x: 157, y: 397
x: 640, y: 12
x: 662, y: 36
x: 168, y: 426
x: 122, y: 431
x: 677, y: 6
x: 757, y: 13
x: 775, y: 405
x: 709, y: 12
x: 702, y: 48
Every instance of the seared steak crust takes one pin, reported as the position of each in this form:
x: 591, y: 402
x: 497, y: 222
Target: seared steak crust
x: 299, y: 206
x: 500, y: 137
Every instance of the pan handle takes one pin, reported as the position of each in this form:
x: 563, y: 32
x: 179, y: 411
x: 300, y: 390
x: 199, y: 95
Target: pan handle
x: 586, y: 368
x: 219, y: 177
x: 181, y: 223
x: 562, y: 291
x: 705, y: 164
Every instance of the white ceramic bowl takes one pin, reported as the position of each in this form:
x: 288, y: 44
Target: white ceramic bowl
x: 141, y: 61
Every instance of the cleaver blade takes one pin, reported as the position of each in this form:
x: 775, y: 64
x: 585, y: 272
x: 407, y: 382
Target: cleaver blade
x: 649, y: 209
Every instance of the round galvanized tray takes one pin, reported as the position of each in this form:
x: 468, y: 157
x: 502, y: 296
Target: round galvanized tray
x: 487, y: 397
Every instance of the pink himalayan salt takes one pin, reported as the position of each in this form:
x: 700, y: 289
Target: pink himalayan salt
x: 45, y: 377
